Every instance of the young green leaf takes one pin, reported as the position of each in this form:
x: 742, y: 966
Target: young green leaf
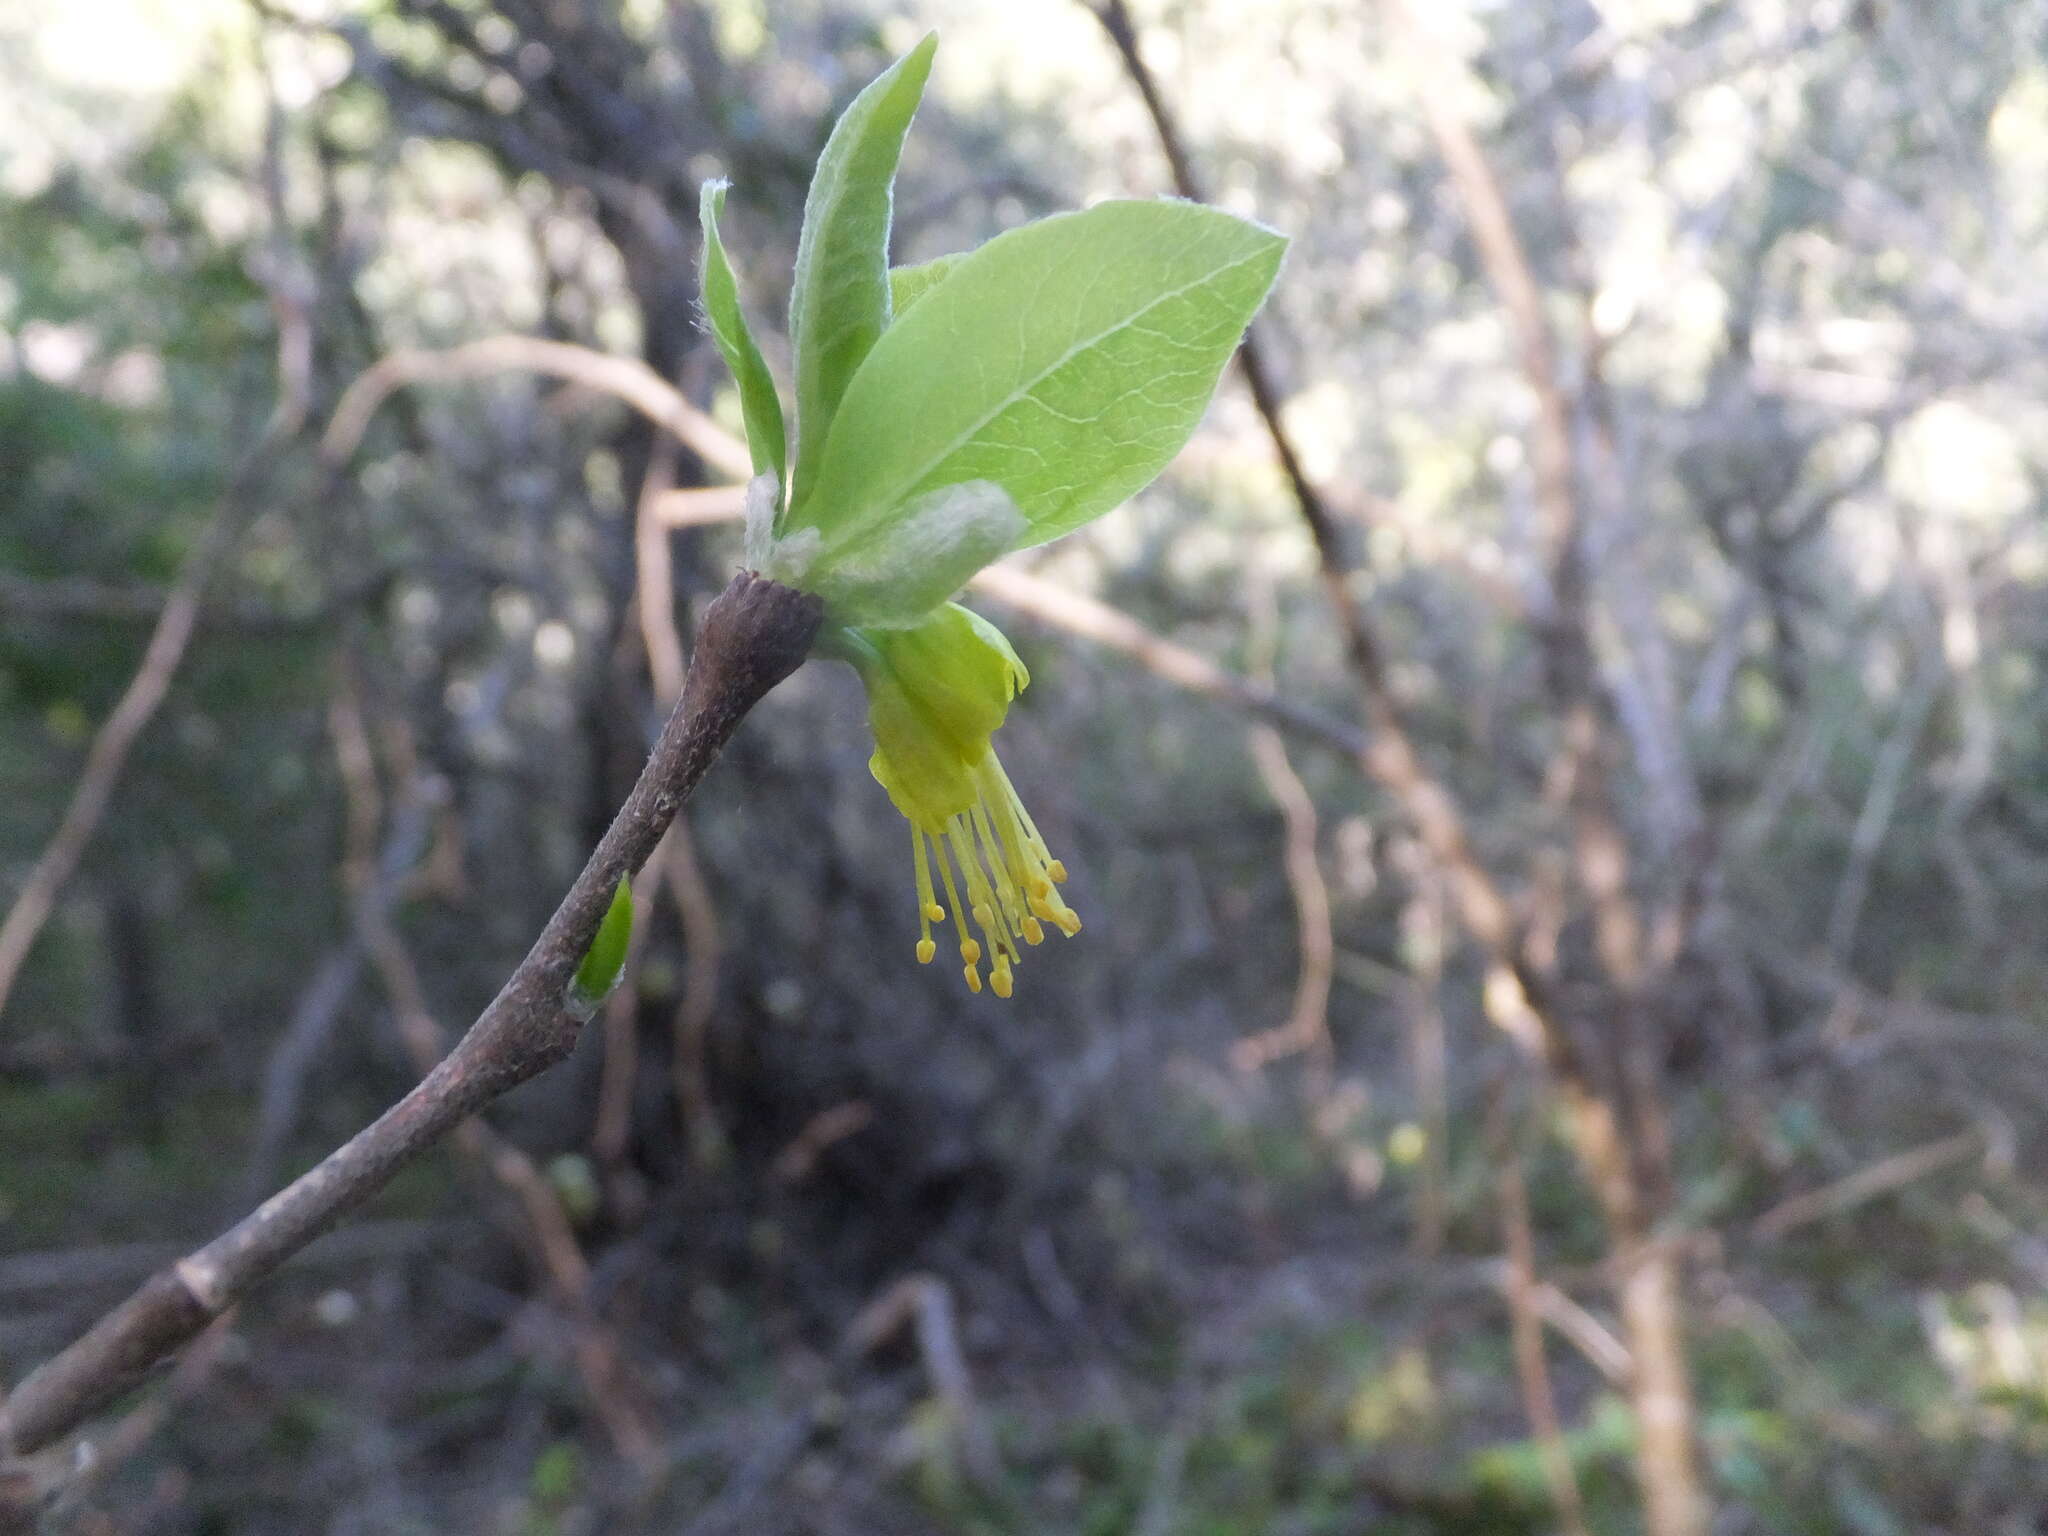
x: 720, y: 295
x: 1066, y: 361
x: 909, y: 565
x: 909, y: 284
x: 606, y: 958
x: 840, y: 301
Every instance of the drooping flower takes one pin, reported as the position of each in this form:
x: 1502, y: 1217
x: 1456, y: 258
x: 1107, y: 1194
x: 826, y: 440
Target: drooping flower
x: 937, y: 691
x: 947, y: 414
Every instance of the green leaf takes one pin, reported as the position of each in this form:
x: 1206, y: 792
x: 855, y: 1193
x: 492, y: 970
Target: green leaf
x: 1067, y: 362
x: 720, y: 295
x: 910, y: 564
x: 909, y: 284
x: 840, y: 301
x: 606, y: 958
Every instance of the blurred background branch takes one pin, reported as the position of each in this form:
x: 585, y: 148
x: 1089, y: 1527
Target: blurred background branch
x: 1629, y: 529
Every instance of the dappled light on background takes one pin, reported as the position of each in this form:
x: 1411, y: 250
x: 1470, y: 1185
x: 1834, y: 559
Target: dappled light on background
x: 1543, y: 748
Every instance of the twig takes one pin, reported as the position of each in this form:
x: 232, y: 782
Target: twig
x: 1525, y: 1322
x: 676, y: 858
x: 292, y: 1057
x: 146, y: 690
x: 793, y: 1164
x: 659, y: 401
x: 1421, y: 980
x: 624, y: 378
x: 549, y: 1234
x: 1888, y: 780
x: 1865, y: 1184
x: 926, y: 1302
x: 919, y: 1299
x: 77, y: 597
x: 126, y: 1438
x: 138, y: 705
x: 1619, y: 1136
x: 1115, y: 630
x: 753, y: 636
x: 1389, y: 753
x: 1307, y: 1027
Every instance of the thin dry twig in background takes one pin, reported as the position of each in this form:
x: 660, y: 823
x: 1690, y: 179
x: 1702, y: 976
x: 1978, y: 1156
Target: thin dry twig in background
x: 925, y: 1302
x: 1388, y: 753
x: 1868, y: 1183
x: 753, y: 636
x: 1525, y: 1321
x: 116, y: 738
x: 660, y: 402
x: 623, y: 378
x: 921, y: 1301
x: 139, y: 702
x: 1423, y: 948
x: 1307, y: 1027
x: 676, y: 858
x: 1620, y: 1137
x: 1624, y: 1142
x: 827, y: 1127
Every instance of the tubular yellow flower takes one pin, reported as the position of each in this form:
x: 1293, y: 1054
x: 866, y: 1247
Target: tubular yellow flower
x: 937, y: 691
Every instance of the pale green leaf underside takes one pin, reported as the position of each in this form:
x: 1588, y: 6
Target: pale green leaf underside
x: 760, y: 407
x: 909, y: 284
x: 1067, y: 362
x: 839, y: 303
x: 914, y: 561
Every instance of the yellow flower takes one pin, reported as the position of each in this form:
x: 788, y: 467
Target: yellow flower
x: 937, y: 691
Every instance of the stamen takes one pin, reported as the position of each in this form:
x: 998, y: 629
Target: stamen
x: 993, y: 852
x: 922, y: 864
x: 952, y: 893
x: 960, y: 839
x: 928, y: 910
x: 1004, y: 867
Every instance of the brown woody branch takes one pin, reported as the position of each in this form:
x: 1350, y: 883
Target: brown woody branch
x: 753, y: 636
x: 1389, y: 754
x: 545, y: 1227
x: 1618, y: 1122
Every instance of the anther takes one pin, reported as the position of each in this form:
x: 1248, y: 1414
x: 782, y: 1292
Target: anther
x: 1058, y: 871
x: 925, y: 950
x: 1000, y: 980
x: 935, y: 912
x: 973, y: 978
x: 970, y: 952
x: 1033, y: 933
